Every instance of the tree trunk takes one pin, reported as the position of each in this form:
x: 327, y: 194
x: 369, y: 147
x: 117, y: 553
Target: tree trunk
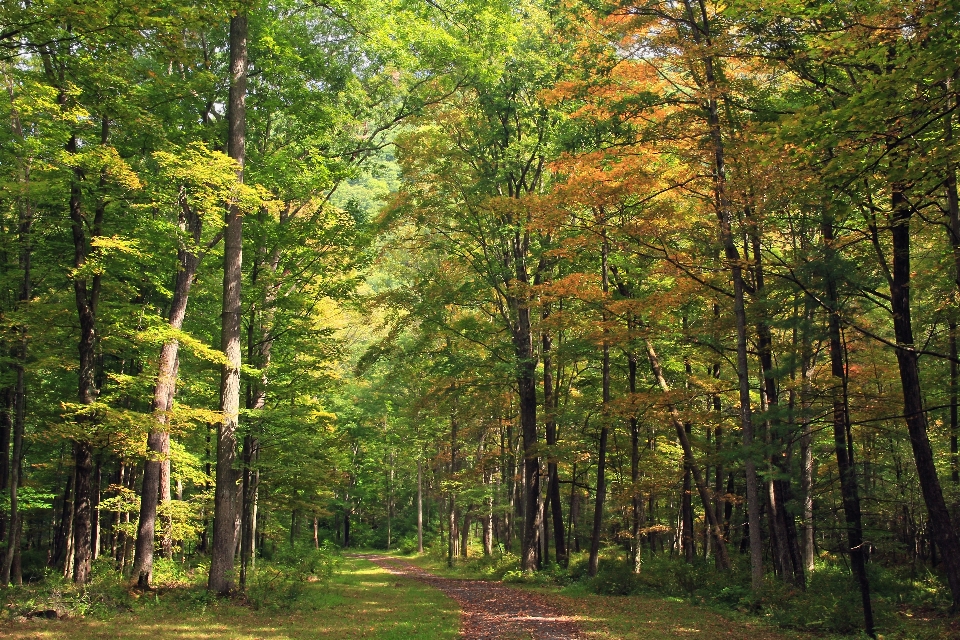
x: 453, y: 539
x: 419, y: 505
x: 783, y: 527
x: 86, y: 302
x: 527, y: 387
x: 605, y: 420
x: 225, y: 497
x: 553, y: 477
x: 13, y: 537
x: 843, y: 448
x: 82, y: 511
x: 943, y: 532
x: 19, y: 400
x: 807, y: 362
x: 702, y: 36
x: 723, y: 561
x: 636, y: 496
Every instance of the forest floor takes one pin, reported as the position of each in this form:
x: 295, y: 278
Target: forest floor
x: 492, y: 611
x: 386, y: 597
x: 585, y: 616
x: 361, y: 601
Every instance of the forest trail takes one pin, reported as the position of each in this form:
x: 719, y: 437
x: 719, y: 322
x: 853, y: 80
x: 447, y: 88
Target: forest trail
x: 491, y: 611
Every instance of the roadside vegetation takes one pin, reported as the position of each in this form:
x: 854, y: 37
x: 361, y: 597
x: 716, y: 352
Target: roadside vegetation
x: 668, y: 596
x: 322, y: 596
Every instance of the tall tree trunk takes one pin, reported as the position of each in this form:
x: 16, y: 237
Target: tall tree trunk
x: 158, y: 440
x: 807, y: 362
x: 527, y: 387
x: 703, y: 37
x: 953, y: 234
x: 550, y: 412
x: 86, y: 302
x: 636, y: 496
x: 225, y: 496
x: 954, y: 389
x: 723, y: 560
x: 843, y: 448
x: 19, y: 398
x: 419, y: 504
x: 787, y: 543
x: 943, y: 532
x: 605, y: 421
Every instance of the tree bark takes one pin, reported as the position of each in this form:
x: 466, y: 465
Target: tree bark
x: 806, y: 438
x: 527, y: 387
x: 702, y: 37
x: 843, y: 448
x: 225, y: 496
x: 19, y: 398
x: 419, y: 505
x: 86, y: 303
x: 550, y: 409
x: 723, y: 560
x: 915, y: 415
x: 593, y: 563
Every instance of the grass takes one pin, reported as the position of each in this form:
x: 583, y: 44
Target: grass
x: 637, y: 616
x: 362, y: 601
x: 655, y: 617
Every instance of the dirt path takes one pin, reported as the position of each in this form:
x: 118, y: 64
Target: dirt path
x: 491, y: 611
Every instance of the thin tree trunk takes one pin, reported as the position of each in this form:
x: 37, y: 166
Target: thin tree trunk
x: 86, y: 302
x: 527, y: 387
x: 19, y: 398
x: 943, y: 532
x: 723, y: 560
x: 225, y: 497
x: 419, y: 505
x: 605, y: 421
x: 702, y: 36
x: 843, y: 448
x: 550, y: 409
x: 13, y: 537
x: 454, y: 538
x: 787, y: 543
x: 806, y: 440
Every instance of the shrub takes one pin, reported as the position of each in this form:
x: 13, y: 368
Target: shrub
x: 280, y: 584
x: 615, y: 578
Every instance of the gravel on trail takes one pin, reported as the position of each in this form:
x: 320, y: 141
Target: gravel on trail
x: 491, y: 611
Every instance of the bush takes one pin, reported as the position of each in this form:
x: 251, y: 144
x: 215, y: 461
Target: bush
x: 831, y: 603
x: 56, y: 597
x: 615, y: 578
x: 494, y: 566
x: 407, y: 545
x: 280, y: 584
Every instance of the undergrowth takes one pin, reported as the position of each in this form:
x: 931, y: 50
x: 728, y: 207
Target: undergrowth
x: 830, y: 604
x: 278, y: 584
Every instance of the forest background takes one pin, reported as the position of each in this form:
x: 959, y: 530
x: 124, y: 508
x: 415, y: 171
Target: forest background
x: 627, y: 284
